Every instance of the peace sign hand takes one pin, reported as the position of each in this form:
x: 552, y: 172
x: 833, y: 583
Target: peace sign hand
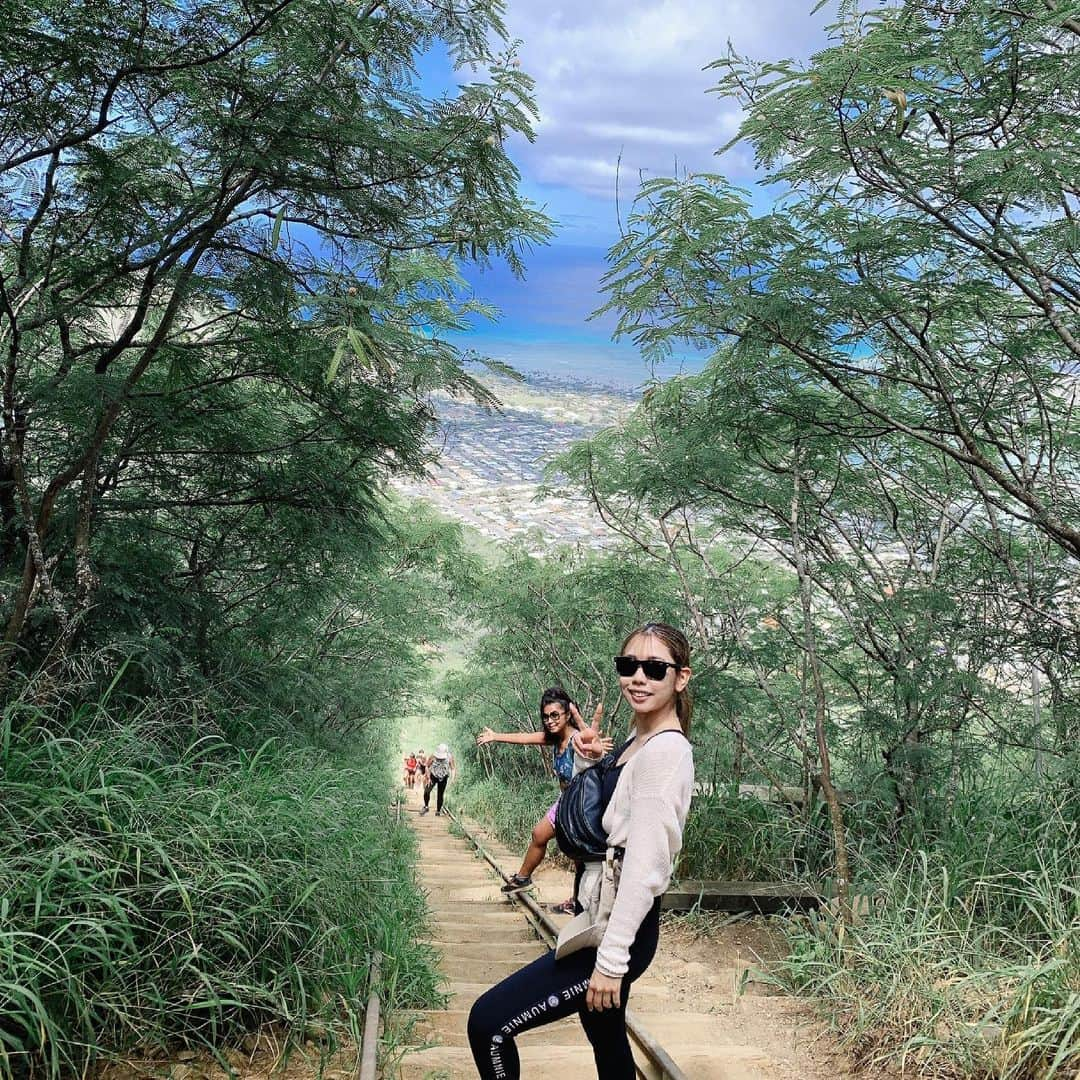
x: 590, y: 740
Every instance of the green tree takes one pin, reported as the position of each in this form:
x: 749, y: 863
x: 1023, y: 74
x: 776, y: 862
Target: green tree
x: 888, y: 405
x: 538, y: 623
x: 230, y: 235
x: 920, y: 271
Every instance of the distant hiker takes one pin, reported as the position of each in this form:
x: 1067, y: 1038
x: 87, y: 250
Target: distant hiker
x: 560, y: 720
x: 421, y: 766
x: 440, y: 769
x: 648, y: 789
x: 410, y: 770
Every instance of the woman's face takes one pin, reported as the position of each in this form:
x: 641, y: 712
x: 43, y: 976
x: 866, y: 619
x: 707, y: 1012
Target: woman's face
x: 555, y: 717
x: 645, y: 695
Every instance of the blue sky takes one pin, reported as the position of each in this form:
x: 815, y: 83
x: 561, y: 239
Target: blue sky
x: 620, y: 87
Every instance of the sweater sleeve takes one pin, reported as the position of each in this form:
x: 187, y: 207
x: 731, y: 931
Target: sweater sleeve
x: 659, y: 801
x: 581, y: 762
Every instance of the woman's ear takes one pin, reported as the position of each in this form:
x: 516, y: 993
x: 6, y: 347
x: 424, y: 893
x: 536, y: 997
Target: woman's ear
x: 682, y: 678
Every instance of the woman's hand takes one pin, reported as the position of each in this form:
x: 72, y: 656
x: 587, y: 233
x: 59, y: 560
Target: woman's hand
x: 593, y: 744
x: 589, y: 740
x: 604, y: 992
x: 485, y: 736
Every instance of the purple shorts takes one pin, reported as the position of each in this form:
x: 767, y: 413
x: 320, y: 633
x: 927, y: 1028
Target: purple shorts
x: 551, y: 812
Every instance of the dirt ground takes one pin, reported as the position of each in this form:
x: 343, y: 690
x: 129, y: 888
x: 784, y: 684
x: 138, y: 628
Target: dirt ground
x: 724, y: 972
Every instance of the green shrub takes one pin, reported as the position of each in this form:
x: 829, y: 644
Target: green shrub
x: 968, y: 972
x: 508, y: 812
x: 156, y: 898
x: 729, y: 837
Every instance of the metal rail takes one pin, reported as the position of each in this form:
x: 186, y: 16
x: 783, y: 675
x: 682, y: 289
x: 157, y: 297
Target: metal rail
x: 658, y: 1064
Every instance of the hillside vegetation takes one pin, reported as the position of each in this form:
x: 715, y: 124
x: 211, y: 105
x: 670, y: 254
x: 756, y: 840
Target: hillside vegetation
x: 232, y: 237
x: 230, y: 297
x: 864, y: 511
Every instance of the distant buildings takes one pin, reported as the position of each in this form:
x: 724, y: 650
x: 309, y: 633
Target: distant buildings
x: 492, y: 464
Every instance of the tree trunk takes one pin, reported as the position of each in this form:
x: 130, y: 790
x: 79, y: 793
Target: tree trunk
x: 836, y: 814
x: 9, y: 516
x: 740, y: 752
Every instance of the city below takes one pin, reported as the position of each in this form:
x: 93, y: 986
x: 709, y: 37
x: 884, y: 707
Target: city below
x: 492, y: 464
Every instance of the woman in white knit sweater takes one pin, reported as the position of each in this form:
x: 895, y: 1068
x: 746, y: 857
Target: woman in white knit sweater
x: 649, y: 793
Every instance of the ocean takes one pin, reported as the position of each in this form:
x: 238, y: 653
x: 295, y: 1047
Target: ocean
x: 575, y: 365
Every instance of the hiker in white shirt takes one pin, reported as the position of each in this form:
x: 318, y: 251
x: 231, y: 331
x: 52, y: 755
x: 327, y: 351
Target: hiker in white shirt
x: 440, y: 770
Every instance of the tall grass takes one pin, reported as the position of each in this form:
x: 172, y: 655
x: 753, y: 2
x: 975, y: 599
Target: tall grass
x: 729, y: 837
x: 152, y: 896
x: 968, y: 963
x: 508, y: 812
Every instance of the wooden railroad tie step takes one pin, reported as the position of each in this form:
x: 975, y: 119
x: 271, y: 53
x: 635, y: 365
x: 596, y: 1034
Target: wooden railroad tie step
x: 547, y: 1061
x: 482, y: 933
x: 759, y: 897
x: 539, y: 1060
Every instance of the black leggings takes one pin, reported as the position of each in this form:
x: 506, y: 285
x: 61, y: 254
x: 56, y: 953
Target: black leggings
x: 441, y: 785
x: 548, y: 990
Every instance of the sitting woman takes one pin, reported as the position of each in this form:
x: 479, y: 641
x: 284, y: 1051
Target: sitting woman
x: 561, y: 720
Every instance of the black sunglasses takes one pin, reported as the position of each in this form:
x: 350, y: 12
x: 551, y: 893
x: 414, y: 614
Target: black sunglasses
x: 551, y: 715
x: 656, y: 670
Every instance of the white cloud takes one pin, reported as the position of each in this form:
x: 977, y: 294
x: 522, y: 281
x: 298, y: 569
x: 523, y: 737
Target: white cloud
x: 641, y: 133
x: 592, y: 175
x: 589, y: 166
x: 624, y: 81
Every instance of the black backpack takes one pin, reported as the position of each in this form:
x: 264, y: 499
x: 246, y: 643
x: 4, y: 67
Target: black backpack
x: 579, y: 818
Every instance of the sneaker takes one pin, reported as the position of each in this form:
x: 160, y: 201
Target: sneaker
x: 516, y: 885
x: 424, y: 810
x: 567, y: 907
x: 438, y: 813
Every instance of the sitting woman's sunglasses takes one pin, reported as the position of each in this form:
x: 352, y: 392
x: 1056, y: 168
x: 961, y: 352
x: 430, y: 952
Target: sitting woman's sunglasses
x: 656, y: 670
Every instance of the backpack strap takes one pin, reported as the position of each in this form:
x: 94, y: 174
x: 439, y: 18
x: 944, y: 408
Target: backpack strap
x: 667, y: 731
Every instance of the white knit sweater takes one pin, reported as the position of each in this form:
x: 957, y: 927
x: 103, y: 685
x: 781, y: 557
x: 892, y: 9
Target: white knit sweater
x: 646, y: 816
